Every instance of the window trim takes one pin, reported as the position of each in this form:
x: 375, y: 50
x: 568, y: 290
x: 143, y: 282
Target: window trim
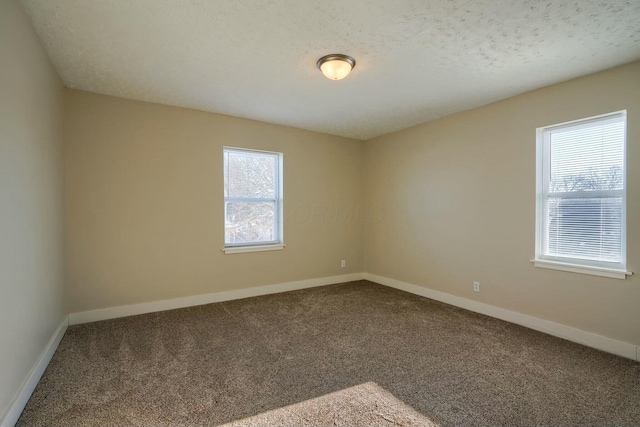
x: 582, y: 269
x: 277, y: 244
x: 253, y: 248
x: 598, y: 268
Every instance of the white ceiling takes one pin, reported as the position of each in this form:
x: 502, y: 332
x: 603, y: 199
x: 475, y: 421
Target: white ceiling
x: 417, y: 60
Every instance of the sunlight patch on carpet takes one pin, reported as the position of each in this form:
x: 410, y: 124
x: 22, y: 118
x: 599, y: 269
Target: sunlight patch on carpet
x: 366, y: 404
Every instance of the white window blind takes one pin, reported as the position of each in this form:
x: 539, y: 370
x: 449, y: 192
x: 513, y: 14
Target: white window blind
x: 581, y: 200
x: 252, y: 197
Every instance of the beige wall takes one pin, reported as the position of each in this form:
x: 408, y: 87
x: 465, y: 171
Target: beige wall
x: 452, y: 201
x: 449, y: 202
x: 145, y: 203
x: 31, y: 201
x: 456, y: 199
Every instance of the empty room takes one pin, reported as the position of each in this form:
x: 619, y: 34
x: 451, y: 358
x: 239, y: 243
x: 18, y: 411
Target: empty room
x: 338, y: 213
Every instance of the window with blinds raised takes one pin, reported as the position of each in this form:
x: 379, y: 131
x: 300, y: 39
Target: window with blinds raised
x: 252, y: 200
x: 581, y: 192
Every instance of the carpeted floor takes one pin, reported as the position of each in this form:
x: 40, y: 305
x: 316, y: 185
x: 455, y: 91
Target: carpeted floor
x: 349, y: 354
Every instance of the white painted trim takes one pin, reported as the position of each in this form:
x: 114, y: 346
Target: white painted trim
x: 170, y: 304
x: 579, y: 336
x: 582, y: 269
x: 255, y: 248
x: 599, y: 342
x: 354, y: 277
x: 22, y: 397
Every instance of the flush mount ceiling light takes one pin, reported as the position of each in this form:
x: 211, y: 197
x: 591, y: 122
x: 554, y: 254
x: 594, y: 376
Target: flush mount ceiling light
x: 336, y: 66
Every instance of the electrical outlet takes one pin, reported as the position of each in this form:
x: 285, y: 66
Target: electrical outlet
x: 343, y: 264
x: 476, y: 286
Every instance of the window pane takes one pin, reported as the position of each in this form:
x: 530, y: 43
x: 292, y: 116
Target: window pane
x: 250, y: 222
x: 250, y: 174
x: 587, y: 157
x: 587, y: 228
x: 582, y: 166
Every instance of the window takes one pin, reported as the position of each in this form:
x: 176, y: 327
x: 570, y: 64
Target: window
x: 252, y: 200
x: 581, y: 196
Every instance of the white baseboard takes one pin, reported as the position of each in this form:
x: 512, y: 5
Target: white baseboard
x: 354, y: 277
x: 599, y: 342
x: 579, y: 336
x: 170, y: 304
x: 20, y: 401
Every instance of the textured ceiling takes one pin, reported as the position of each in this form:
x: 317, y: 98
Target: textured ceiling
x: 417, y: 60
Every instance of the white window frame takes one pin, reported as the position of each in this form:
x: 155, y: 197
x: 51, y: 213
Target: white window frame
x: 598, y: 268
x: 278, y: 243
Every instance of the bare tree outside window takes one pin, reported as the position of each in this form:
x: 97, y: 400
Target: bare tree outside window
x: 588, y: 225
x: 592, y: 180
x: 251, y: 190
x: 582, y: 167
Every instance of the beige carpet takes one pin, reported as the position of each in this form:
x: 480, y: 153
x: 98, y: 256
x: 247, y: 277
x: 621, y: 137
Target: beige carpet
x: 363, y: 405
x: 346, y: 355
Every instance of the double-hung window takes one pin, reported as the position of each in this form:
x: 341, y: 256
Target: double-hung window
x: 252, y: 200
x: 581, y: 196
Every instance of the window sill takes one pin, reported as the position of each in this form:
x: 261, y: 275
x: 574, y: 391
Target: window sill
x: 256, y: 248
x: 582, y: 269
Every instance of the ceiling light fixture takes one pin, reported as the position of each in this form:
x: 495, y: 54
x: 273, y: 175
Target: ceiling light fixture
x: 336, y: 66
